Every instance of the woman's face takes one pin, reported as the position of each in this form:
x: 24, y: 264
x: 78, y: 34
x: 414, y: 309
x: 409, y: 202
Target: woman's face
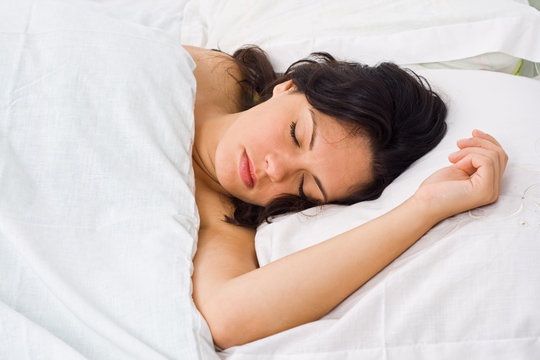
x: 285, y: 146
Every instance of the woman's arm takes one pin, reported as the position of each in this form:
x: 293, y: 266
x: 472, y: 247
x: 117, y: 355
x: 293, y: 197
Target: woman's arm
x: 242, y: 303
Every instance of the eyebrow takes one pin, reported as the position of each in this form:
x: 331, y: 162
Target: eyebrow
x: 317, y: 181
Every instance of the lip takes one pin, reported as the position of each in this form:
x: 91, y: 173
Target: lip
x: 247, y: 171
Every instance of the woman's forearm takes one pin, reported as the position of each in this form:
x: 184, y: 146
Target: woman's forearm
x: 306, y: 285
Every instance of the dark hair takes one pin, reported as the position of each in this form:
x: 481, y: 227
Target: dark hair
x: 398, y: 112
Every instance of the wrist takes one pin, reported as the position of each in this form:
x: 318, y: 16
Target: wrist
x: 425, y: 209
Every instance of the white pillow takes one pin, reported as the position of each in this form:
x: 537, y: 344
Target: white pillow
x: 469, y: 288
x: 503, y: 105
x: 406, y: 32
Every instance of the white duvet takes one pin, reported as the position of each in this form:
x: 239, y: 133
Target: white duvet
x: 98, y: 221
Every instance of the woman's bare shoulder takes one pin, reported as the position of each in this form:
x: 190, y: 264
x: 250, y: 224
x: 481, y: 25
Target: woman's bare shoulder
x: 217, y: 77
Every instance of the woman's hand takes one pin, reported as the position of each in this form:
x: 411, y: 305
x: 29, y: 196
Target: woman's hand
x: 473, y: 180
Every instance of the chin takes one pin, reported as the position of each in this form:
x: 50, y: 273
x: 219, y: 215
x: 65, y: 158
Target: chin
x: 249, y: 201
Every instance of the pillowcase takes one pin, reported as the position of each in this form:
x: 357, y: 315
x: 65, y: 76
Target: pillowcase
x: 504, y: 106
x: 405, y: 32
x: 469, y: 288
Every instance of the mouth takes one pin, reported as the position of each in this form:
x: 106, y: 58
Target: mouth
x: 247, y: 171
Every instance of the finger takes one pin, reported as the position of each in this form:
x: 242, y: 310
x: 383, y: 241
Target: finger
x: 484, y: 143
x: 483, y: 174
x: 458, y: 155
x: 472, y: 151
x: 477, y: 141
x: 491, y: 154
x: 483, y: 135
x: 469, y: 160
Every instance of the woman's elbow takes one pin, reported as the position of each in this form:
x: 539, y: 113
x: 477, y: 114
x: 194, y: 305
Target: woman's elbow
x: 226, y: 319
x: 225, y: 331
x: 230, y: 318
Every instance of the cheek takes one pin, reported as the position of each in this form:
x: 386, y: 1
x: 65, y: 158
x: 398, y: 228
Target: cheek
x: 228, y: 152
x: 223, y: 165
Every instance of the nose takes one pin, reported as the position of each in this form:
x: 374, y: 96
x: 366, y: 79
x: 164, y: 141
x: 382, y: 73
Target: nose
x: 279, y: 166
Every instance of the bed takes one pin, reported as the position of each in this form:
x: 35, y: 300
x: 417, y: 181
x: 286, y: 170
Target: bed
x: 98, y: 222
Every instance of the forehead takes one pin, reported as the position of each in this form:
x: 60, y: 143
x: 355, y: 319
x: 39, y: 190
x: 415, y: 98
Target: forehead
x: 342, y: 157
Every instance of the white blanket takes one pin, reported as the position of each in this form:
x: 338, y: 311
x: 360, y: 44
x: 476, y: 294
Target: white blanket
x: 98, y: 220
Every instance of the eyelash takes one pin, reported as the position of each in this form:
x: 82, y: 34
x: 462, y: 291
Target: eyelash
x: 293, y: 135
x: 301, y: 189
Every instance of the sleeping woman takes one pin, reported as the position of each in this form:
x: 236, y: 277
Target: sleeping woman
x: 324, y: 132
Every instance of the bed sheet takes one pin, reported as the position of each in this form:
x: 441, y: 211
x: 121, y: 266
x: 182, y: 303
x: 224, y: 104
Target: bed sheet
x: 98, y: 222
x: 470, y: 288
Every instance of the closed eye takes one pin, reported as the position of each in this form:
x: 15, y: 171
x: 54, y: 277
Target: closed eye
x: 293, y: 133
x: 301, y: 189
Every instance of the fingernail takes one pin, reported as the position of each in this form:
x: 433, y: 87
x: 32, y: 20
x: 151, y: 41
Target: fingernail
x: 481, y: 132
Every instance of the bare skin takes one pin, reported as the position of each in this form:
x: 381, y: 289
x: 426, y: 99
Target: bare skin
x: 243, y: 302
